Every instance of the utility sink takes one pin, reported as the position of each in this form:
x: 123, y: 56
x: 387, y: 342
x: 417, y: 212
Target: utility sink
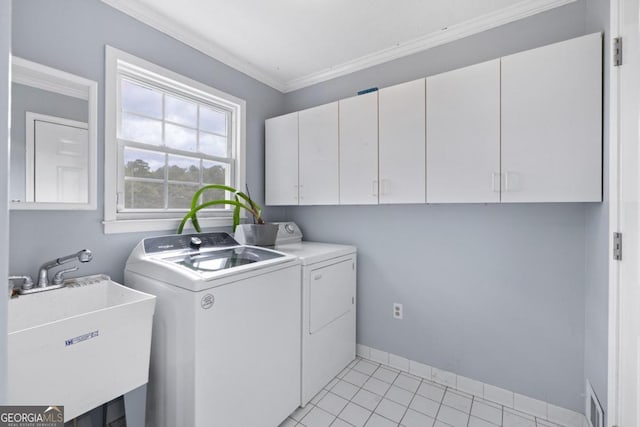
x: 79, y: 346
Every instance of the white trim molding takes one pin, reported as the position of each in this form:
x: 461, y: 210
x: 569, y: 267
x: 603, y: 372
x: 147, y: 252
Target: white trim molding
x: 467, y: 28
x: 506, y: 398
x: 53, y: 80
x: 519, y: 10
x: 184, y: 34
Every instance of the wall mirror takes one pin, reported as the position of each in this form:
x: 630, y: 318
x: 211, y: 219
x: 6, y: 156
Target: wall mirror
x: 53, y: 138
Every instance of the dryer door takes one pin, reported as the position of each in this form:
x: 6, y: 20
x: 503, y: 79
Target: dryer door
x: 331, y: 294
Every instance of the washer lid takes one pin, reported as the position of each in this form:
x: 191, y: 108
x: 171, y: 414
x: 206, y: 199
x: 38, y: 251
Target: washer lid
x: 222, y: 259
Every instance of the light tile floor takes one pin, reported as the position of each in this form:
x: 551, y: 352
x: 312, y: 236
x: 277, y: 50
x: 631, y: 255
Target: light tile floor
x: 373, y: 395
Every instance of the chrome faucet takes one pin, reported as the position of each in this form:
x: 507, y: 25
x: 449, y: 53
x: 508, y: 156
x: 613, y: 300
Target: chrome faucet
x: 84, y: 255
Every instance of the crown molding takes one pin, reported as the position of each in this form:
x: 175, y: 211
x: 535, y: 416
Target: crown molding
x: 191, y: 38
x: 485, y: 22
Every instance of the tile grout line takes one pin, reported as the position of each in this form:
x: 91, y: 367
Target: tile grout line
x: 398, y: 372
x: 494, y: 402
x: 366, y: 354
x: 361, y: 388
x: 349, y: 367
x: 473, y: 399
x: 376, y: 407
x: 373, y: 411
x: 435, y: 418
x: 415, y: 393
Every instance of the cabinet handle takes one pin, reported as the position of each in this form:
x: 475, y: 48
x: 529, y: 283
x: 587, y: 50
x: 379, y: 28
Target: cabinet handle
x: 494, y: 175
x: 383, y: 187
x: 507, y: 187
x: 375, y: 188
x: 317, y: 277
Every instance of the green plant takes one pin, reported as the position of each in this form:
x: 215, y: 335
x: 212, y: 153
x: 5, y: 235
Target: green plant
x: 240, y: 200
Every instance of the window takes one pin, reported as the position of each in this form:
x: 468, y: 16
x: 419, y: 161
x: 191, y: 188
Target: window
x: 165, y: 136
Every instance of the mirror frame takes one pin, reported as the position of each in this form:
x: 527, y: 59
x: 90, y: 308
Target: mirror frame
x: 40, y: 76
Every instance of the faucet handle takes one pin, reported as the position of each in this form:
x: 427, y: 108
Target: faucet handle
x: 27, y: 282
x: 58, y: 278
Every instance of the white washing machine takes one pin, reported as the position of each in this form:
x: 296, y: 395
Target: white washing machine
x: 226, y: 338
x: 328, y: 307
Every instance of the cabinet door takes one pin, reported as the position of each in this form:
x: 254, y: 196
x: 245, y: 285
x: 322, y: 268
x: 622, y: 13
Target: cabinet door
x: 281, y: 160
x: 402, y: 143
x: 551, y: 123
x: 359, y: 150
x: 318, y: 144
x: 463, y: 135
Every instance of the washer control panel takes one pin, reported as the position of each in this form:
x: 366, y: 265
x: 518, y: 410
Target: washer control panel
x: 188, y: 242
x: 288, y: 232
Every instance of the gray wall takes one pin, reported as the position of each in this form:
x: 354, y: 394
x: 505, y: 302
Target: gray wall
x: 492, y: 292
x: 26, y: 98
x: 5, y: 51
x: 597, y: 237
x: 71, y: 36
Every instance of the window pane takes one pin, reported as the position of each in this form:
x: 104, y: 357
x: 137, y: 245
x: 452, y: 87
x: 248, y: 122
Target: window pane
x: 214, y: 172
x: 209, y: 195
x: 141, y: 100
x: 213, y: 145
x: 180, y: 195
x: 180, y: 138
x: 143, y: 195
x: 180, y: 111
x: 213, y: 121
x: 184, y: 169
x: 141, y: 129
x: 143, y: 163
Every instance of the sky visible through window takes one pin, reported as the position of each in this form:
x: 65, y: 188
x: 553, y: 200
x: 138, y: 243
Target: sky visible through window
x: 171, y: 146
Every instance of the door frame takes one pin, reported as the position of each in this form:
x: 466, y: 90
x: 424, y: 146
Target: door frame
x: 614, y: 222
x: 30, y: 145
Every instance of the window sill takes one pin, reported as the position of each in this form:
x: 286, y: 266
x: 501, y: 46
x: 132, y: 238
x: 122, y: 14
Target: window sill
x: 167, y: 224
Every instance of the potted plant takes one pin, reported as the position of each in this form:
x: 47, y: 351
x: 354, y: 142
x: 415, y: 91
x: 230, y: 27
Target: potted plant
x: 259, y: 233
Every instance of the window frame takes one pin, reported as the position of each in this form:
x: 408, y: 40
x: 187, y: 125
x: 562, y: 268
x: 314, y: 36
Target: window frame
x: 120, y: 64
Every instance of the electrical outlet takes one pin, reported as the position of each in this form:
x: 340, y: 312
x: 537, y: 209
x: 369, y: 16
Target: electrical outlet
x: 397, y: 311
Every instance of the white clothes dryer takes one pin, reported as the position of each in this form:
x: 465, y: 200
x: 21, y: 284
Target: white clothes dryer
x: 226, y: 333
x: 328, y: 307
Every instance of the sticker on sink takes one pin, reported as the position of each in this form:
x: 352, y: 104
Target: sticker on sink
x: 81, y: 338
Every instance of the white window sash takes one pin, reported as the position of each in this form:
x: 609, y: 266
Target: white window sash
x: 121, y: 63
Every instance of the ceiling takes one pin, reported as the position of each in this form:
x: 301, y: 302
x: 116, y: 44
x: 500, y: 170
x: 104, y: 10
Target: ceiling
x: 290, y: 44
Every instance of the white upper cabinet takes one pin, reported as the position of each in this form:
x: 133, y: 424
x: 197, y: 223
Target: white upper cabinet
x: 402, y: 143
x: 318, y: 155
x: 463, y: 135
x: 551, y: 123
x: 523, y: 128
x: 281, y: 160
x: 359, y: 150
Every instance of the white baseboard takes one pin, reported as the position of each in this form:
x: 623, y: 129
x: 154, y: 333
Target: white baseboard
x: 509, y: 399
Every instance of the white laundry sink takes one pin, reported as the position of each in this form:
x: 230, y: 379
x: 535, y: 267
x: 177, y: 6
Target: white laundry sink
x: 79, y: 346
